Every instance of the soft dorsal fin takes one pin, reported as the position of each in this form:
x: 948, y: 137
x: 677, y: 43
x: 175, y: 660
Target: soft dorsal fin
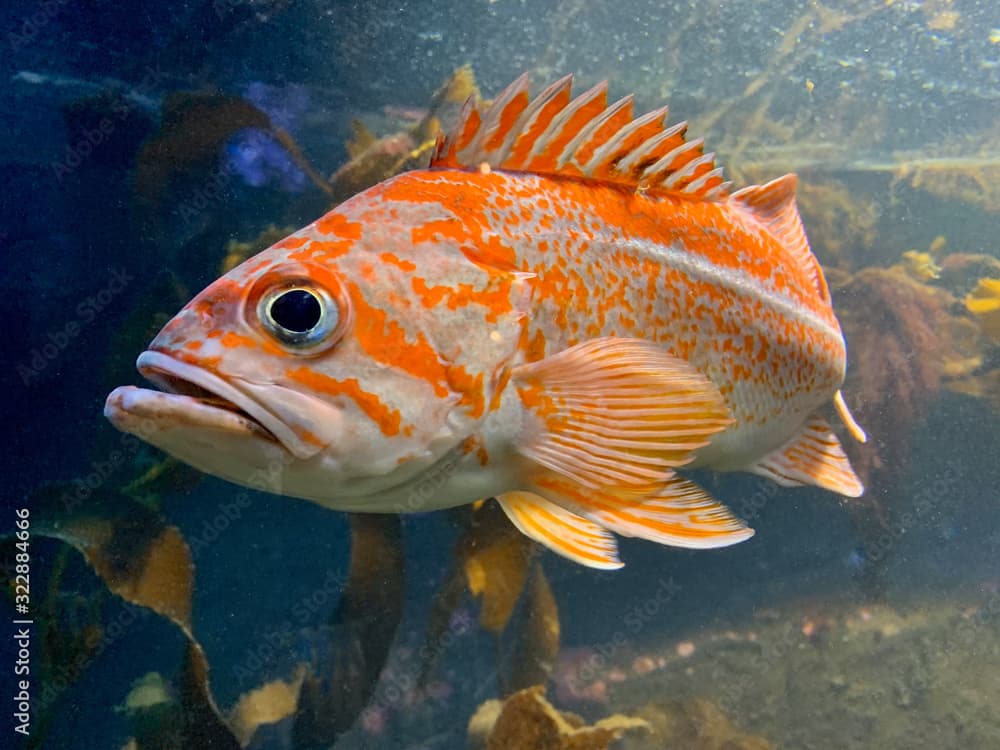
x: 773, y: 205
x: 580, y: 137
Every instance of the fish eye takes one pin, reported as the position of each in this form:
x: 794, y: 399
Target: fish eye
x: 297, y: 310
x: 299, y: 316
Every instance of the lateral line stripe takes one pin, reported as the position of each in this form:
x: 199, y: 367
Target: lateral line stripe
x: 702, y: 269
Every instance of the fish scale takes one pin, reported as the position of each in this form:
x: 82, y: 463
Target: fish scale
x: 597, y: 275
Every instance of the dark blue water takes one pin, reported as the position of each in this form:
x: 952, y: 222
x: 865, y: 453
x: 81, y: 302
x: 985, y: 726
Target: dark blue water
x: 101, y: 241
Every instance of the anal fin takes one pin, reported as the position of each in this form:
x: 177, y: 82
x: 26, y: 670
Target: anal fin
x: 678, y: 514
x: 813, y: 457
x: 564, y: 533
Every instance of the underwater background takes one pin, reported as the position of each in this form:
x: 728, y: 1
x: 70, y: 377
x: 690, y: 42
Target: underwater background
x: 150, y: 146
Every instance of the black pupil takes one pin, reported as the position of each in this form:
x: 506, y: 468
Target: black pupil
x: 296, y: 310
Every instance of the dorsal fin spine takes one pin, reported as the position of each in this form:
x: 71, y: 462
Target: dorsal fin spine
x: 508, y: 112
x: 515, y: 95
x: 555, y: 97
x: 709, y: 176
x: 468, y: 122
x: 580, y: 137
x: 555, y: 131
x: 687, y: 172
x: 586, y: 133
x: 603, y: 135
x: 672, y: 160
x: 647, y: 147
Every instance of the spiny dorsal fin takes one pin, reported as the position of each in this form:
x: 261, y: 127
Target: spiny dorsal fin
x: 582, y: 137
x: 773, y: 205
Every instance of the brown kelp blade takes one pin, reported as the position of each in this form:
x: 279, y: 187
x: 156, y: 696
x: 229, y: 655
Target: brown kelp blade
x: 491, y: 560
x: 526, y: 720
x: 533, y: 636
x: 203, y: 724
x: 333, y: 695
x: 146, y: 562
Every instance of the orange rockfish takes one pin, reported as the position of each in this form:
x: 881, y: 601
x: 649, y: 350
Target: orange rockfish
x: 566, y: 308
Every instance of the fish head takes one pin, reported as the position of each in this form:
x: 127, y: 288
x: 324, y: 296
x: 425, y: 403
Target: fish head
x: 341, y: 365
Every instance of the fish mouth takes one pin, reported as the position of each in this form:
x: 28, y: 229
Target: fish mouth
x: 214, y: 397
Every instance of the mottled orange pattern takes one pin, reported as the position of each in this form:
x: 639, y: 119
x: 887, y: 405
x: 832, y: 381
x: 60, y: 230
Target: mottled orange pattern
x: 570, y: 301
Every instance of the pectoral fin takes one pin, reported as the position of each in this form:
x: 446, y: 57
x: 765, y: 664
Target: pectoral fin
x: 812, y: 457
x: 562, y: 532
x: 616, y: 413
